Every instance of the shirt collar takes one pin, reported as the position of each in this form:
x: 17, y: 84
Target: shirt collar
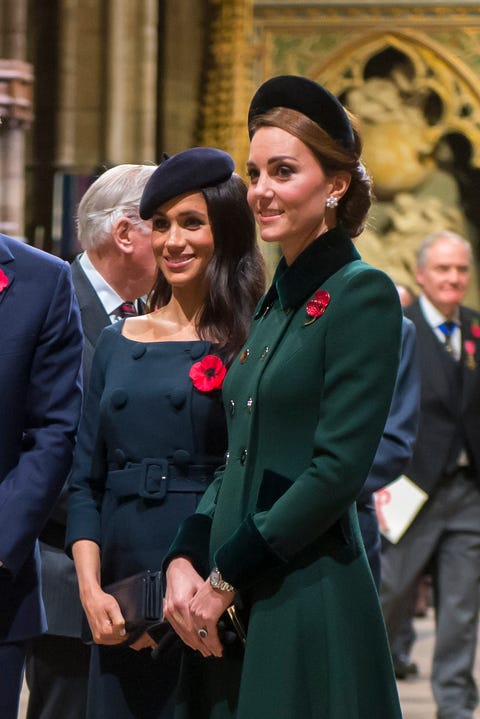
x: 433, y: 316
x: 106, y: 294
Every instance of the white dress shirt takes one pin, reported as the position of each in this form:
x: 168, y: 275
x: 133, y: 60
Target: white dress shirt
x: 435, y: 319
x: 110, y: 299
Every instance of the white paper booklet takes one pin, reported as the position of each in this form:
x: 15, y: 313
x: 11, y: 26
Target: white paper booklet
x: 397, y: 504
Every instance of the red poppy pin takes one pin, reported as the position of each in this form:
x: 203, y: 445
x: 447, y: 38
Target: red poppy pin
x: 208, y: 374
x: 475, y: 329
x: 317, y: 306
x: 3, y: 280
x: 470, y: 345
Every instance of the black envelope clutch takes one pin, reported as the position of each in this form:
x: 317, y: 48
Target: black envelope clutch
x: 231, y: 630
x: 140, y: 598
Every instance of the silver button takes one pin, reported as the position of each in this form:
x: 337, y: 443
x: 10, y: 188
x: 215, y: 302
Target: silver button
x: 231, y: 406
x: 243, y: 456
x: 265, y: 352
x: 250, y: 404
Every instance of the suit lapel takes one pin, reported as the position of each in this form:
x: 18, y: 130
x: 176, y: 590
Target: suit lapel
x: 470, y: 357
x: 432, y: 367
x: 94, y: 316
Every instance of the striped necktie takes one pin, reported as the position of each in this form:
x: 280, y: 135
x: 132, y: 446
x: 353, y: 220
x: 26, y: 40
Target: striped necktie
x: 126, y: 309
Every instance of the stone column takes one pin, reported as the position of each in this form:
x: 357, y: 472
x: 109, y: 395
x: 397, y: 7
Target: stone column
x: 131, y: 81
x: 16, y: 81
x: 68, y: 84
x: 181, y: 90
x: 227, y: 81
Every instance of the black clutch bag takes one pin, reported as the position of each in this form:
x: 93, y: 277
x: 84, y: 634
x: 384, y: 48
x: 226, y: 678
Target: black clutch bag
x: 231, y: 630
x: 140, y: 598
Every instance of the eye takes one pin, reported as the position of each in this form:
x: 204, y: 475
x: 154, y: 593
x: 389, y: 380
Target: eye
x: 192, y: 222
x: 252, y: 174
x: 160, y: 224
x: 284, y: 171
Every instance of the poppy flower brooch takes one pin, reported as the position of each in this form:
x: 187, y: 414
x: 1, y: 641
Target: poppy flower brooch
x: 3, y: 280
x: 317, y: 306
x: 208, y: 374
x: 470, y: 346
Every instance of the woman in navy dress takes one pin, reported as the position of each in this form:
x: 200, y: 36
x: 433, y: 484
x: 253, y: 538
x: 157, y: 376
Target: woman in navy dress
x: 153, y: 428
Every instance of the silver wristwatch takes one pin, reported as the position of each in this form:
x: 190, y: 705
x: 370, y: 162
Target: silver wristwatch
x: 217, y: 582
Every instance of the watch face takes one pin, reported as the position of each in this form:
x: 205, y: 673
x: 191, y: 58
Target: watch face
x: 215, y: 578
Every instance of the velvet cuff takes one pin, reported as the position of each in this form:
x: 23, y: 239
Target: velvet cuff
x: 246, y: 556
x: 192, y: 541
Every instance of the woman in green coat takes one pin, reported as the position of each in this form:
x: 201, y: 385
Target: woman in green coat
x: 306, y: 403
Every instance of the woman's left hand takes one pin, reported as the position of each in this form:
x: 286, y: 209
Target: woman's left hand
x: 206, y: 608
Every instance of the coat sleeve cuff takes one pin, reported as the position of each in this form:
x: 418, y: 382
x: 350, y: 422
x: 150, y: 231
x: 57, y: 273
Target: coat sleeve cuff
x: 246, y: 556
x: 192, y: 541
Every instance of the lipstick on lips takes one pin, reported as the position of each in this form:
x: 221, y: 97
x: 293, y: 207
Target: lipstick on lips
x: 178, y: 263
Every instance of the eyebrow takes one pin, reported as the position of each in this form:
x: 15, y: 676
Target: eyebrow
x: 277, y: 158
x: 184, y: 213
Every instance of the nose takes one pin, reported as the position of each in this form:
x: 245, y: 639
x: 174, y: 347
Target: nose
x: 175, y: 239
x: 453, y: 275
x: 262, y: 186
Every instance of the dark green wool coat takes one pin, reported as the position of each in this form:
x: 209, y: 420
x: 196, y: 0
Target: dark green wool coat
x: 306, y: 404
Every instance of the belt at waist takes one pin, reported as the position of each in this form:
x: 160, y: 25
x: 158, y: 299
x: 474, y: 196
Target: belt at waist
x: 153, y: 478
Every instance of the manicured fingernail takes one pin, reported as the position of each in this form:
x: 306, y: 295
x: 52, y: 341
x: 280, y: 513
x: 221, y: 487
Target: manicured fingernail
x: 122, y: 632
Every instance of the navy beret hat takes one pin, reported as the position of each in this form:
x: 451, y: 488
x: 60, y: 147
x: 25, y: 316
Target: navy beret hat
x: 308, y: 97
x: 187, y: 171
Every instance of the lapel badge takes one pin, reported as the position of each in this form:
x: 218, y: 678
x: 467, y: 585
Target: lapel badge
x: 469, y: 347
x: 317, y: 306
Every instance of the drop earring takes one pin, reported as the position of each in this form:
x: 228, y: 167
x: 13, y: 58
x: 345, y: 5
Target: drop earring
x: 331, y: 202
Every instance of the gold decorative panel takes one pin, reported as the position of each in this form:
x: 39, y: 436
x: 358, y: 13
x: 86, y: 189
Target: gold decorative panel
x: 227, y: 89
x: 411, y: 74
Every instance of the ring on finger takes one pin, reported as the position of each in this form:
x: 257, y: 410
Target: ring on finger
x: 202, y: 633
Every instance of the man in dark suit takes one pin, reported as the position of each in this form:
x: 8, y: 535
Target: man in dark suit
x: 395, y: 448
x: 446, y: 464
x: 40, y: 395
x: 116, y: 268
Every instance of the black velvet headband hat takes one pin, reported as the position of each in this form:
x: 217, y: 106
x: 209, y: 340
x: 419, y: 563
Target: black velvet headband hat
x: 305, y: 96
x: 187, y: 171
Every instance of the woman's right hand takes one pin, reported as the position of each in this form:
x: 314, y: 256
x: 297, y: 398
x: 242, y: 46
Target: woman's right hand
x: 102, y: 610
x: 104, y: 617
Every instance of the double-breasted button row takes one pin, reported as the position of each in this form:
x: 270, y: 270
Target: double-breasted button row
x: 232, y: 407
x: 243, y: 456
x: 246, y: 354
x: 177, y: 396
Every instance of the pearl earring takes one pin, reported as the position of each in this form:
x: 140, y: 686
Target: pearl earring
x: 331, y: 202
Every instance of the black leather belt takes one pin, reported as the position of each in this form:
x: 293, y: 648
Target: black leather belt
x: 153, y: 478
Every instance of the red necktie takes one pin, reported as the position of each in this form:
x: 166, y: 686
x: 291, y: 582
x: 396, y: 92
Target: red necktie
x: 126, y: 309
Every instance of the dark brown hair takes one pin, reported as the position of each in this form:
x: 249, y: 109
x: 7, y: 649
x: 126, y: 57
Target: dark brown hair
x: 235, y: 274
x: 353, y: 208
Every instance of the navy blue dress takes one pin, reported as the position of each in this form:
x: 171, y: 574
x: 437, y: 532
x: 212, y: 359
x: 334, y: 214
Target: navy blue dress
x: 147, y: 447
